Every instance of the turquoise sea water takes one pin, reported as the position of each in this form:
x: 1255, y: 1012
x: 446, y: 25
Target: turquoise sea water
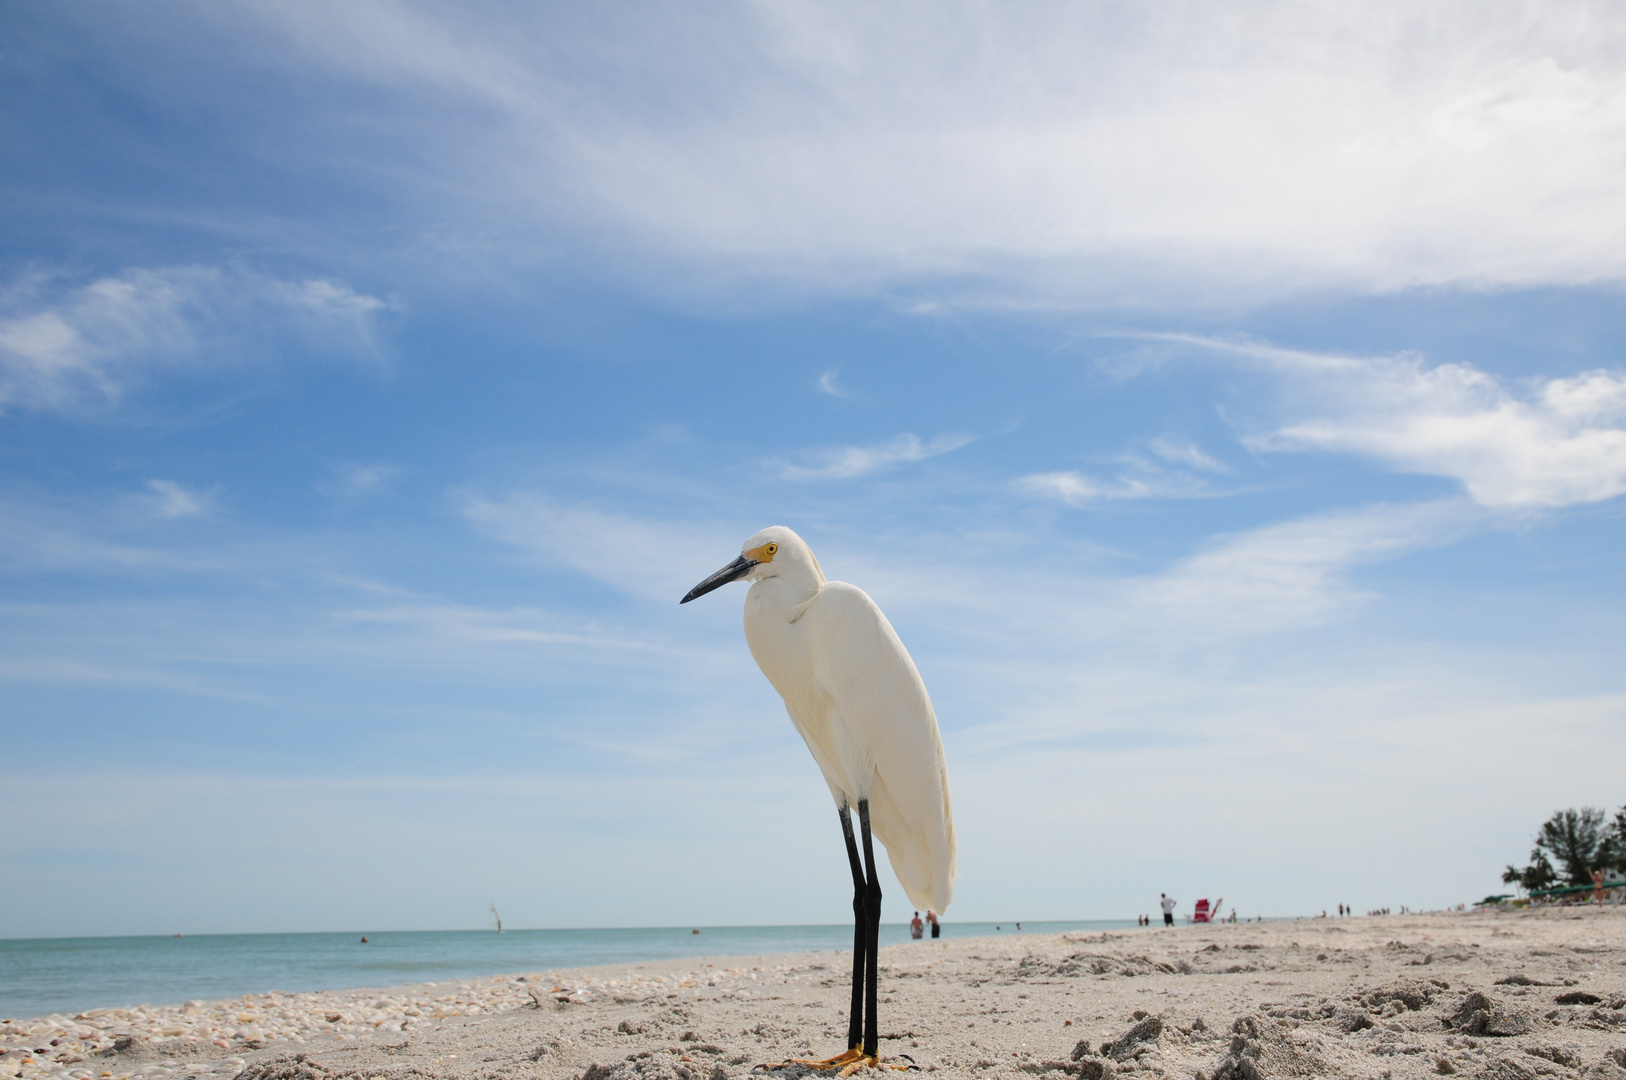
x: 39, y: 976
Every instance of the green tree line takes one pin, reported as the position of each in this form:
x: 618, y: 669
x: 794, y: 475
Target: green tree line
x: 1570, y: 846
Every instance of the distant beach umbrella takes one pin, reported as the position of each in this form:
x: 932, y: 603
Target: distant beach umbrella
x: 860, y: 705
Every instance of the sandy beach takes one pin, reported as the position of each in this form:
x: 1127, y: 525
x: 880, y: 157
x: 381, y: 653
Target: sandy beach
x: 1504, y: 994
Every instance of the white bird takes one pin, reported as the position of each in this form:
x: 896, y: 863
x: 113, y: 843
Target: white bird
x: 860, y: 705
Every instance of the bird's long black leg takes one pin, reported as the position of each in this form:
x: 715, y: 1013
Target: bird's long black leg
x: 855, y: 1022
x: 872, y: 896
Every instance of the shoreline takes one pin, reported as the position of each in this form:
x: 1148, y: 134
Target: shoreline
x: 987, y: 1006
x: 73, y: 975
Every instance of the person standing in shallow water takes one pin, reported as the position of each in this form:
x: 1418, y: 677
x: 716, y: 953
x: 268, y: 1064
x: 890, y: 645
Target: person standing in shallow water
x: 1167, y: 904
x: 937, y: 928
x: 916, y: 927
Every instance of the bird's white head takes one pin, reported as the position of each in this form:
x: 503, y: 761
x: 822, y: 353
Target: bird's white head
x: 774, y: 552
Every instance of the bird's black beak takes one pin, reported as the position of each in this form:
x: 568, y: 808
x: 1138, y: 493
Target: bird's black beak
x: 732, y: 572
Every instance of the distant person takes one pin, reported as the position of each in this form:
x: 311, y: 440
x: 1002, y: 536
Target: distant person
x: 1167, y: 904
x: 937, y: 928
x: 917, y: 929
x: 1019, y: 926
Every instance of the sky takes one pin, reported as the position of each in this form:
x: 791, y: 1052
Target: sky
x: 1226, y: 405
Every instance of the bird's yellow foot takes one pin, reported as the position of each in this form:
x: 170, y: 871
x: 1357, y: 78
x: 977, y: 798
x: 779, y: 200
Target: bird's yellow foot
x: 844, y: 1064
x: 838, y: 1062
x: 866, y: 1061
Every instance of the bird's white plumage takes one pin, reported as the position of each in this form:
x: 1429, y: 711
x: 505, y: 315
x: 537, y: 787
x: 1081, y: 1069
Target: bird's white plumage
x: 855, y: 696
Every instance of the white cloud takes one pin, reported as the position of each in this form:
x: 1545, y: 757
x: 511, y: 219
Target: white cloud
x: 1135, y: 479
x: 78, y: 347
x: 1259, y: 581
x: 40, y: 536
x: 352, y: 480
x: 827, y: 383
x: 1295, y: 573
x: 365, y: 477
x: 171, y: 500
x: 1054, y: 151
x: 1550, y: 442
x: 329, y: 299
x: 481, y: 626
x: 1076, y: 489
x: 77, y: 672
x: 1069, y: 487
x: 1189, y: 455
x: 66, y: 348
x: 845, y: 462
x: 647, y: 558
x: 1562, y: 444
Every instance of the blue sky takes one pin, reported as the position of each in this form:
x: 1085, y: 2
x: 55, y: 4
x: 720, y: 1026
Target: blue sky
x: 1227, y: 408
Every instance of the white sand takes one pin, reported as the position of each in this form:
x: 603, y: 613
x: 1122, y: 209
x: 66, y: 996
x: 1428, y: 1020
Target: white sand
x: 1365, y: 997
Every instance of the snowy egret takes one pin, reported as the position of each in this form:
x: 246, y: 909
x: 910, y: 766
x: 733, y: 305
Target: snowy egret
x: 854, y: 695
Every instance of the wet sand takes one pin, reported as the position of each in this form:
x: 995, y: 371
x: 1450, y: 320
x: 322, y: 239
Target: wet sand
x: 1507, y: 995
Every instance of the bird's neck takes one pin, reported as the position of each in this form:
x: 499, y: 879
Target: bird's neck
x: 789, y: 589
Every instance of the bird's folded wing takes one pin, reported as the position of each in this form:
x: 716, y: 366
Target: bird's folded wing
x: 873, y: 684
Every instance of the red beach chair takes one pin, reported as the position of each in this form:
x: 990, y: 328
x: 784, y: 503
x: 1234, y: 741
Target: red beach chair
x: 1201, y: 914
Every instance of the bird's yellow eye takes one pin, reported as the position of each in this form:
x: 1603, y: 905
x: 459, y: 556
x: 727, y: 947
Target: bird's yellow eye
x: 772, y: 549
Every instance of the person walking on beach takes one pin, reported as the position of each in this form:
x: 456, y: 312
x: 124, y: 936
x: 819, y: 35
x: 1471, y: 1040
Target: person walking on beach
x: 937, y: 928
x: 1167, y: 904
x: 916, y: 927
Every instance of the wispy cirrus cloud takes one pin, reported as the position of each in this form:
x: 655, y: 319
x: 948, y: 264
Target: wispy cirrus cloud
x: 846, y: 462
x: 1076, y: 488
x: 1292, y: 573
x: 352, y: 480
x: 1189, y: 455
x: 520, y: 626
x: 1260, y: 150
x: 1547, y: 442
x: 642, y: 556
x: 36, y: 536
x: 72, y: 347
x: 71, y: 671
x: 1174, y: 474
x: 171, y: 500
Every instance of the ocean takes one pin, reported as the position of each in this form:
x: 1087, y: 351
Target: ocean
x: 40, y: 976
